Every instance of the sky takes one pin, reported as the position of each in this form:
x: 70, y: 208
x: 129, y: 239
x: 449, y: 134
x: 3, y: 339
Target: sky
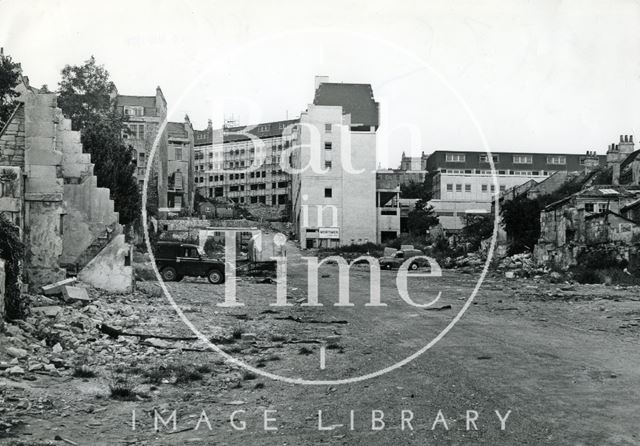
x: 510, y: 75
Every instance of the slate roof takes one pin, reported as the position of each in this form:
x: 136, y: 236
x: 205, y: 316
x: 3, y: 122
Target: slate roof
x: 145, y: 101
x: 355, y: 99
x: 176, y: 130
x: 599, y: 191
x: 262, y: 131
x: 629, y: 159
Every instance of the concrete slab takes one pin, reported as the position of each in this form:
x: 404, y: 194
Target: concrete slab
x: 75, y: 294
x: 56, y: 288
x: 49, y: 311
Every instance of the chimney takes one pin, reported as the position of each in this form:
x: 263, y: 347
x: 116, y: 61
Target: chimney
x: 209, y: 124
x: 321, y: 80
x: 626, y: 145
x: 615, y: 177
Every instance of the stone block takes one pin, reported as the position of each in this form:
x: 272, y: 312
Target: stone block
x: 75, y: 294
x: 56, y: 288
x: 44, y: 185
x: 43, y: 157
x: 8, y: 204
x: 48, y: 311
x: 40, y: 171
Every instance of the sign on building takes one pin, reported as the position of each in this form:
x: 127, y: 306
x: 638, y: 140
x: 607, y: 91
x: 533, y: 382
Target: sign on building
x: 331, y: 233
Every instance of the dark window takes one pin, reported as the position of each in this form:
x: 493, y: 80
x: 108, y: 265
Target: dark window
x: 328, y: 193
x: 327, y: 146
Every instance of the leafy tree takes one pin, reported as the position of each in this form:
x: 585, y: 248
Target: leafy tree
x: 86, y: 96
x: 415, y: 190
x: 521, y: 218
x: 12, y: 251
x: 84, y: 92
x: 421, y: 218
x: 476, y: 229
x: 9, y: 77
x: 113, y: 160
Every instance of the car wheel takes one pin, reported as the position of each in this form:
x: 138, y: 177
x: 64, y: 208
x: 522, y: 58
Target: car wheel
x: 215, y: 276
x: 413, y: 266
x: 169, y: 274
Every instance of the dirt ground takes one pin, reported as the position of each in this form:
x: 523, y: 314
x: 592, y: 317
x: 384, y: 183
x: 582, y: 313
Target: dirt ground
x: 563, y: 359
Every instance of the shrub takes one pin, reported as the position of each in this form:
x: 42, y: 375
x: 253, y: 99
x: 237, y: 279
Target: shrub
x: 12, y: 251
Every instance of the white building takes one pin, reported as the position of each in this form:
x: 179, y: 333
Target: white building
x: 334, y: 188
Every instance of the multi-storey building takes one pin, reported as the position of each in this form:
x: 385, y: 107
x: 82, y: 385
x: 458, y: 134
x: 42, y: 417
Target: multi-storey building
x: 464, y: 182
x: 145, y: 117
x: 180, y: 161
x: 243, y: 163
x: 334, y: 203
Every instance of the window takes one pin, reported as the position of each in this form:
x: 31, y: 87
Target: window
x: 484, y: 188
x: 327, y: 164
x: 136, y: 131
x: 210, y: 178
x: 327, y: 128
x: 458, y: 187
x: 467, y: 188
x: 328, y: 193
x: 449, y: 187
x: 557, y: 159
x: 502, y: 188
x: 178, y: 153
x: 588, y: 207
x: 327, y: 146
x: 141, y: 157
x: 133, y: 110
x: 522, y: 159
x: 493, y: 188
x: 455, y: 158
x: 485, y: 158
x: 283, y: 184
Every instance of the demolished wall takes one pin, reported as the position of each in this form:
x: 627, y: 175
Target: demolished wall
x: 111, y: 269
x: 66, y: 219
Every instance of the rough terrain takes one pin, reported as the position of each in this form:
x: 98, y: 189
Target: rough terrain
x: 563, y: 358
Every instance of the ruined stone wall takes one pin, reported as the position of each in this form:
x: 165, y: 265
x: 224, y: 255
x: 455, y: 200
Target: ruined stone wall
x: 44, y: 185
x: 3, y: 279
x: 12, y: 140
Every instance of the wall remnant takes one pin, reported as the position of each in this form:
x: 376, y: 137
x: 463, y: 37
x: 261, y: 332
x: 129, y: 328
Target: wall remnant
x: 111, y: 269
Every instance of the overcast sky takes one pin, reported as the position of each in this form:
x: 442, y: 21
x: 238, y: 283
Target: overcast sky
x: 547, y: 76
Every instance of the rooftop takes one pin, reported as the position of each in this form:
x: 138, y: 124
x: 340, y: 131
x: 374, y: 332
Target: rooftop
x: 231, y: 134
x: 355, y: 99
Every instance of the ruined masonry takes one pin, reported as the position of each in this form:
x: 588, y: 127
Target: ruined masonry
x: 49, y: 191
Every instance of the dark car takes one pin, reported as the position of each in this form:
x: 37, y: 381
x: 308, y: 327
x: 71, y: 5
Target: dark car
x: 176, y: 260
x: 399, y: 257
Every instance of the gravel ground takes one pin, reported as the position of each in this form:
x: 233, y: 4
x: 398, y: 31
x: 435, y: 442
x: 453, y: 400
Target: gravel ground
x: 563, y: 359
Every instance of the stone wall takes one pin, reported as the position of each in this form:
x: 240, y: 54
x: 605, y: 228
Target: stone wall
x: 12, y: 140
x: 3, y: 279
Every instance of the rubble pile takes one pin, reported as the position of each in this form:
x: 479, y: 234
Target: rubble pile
x: 66, y: 332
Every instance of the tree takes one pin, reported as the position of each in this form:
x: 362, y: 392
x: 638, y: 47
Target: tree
x: 84, y: 92
x: 477, y: 227
x: 9, y: 78
x: 415, y: 189
x: 421, y: 218
x: 85, y: 96
x: 521, y: 219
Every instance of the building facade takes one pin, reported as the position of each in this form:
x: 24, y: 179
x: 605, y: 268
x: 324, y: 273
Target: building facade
x: 464, y: 182
x: 144, y: 116
x: 336, y: 137
x: 180, y: 162
x: 243, y: 163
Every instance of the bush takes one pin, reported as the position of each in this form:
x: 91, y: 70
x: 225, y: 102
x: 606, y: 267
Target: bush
x: 12, y: 251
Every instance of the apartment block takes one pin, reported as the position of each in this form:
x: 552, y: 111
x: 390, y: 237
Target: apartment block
x: 243, y: 163
x: 464, y: 183
x: 334, y: 185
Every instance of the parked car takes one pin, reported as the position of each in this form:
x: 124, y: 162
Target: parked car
x: 399, y: 257
x: 176, y: 260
